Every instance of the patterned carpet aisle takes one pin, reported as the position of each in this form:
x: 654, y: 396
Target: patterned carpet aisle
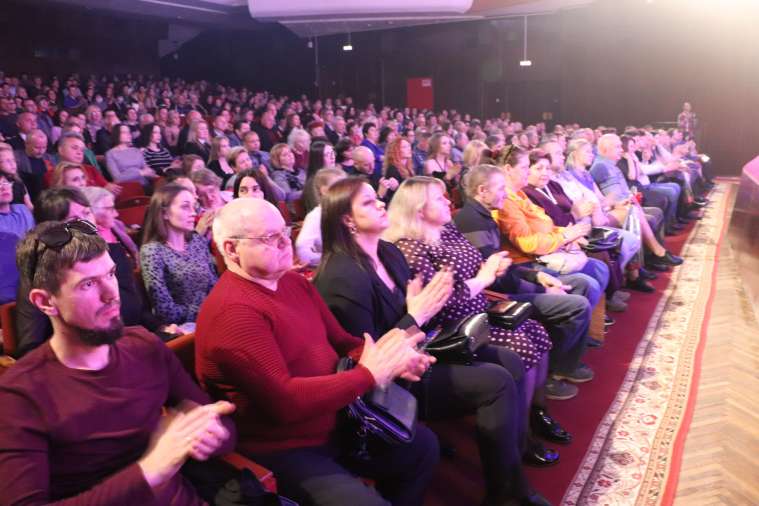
x: 635, y: 451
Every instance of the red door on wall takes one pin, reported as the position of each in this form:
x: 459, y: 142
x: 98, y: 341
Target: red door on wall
x: 420, y: 93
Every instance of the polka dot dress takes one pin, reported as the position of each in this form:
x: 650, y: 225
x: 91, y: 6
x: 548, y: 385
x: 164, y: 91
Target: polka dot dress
x: 530, y: 340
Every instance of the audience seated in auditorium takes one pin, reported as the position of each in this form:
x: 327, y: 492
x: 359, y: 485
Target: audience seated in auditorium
x: 565, y: 315
x: 439, y: 163
x: 71, y: 149
x: 276, y: 362
x: 252, y: 144
x: 175, y: 261
x: 664, y: 195
x: 156, y: 156
x: 69, y: 429
x: 284, y: 173
x: 579, y: 187
x: 612, y: 183
x: 198, y: 141
x: 32, y: 162
x: 370, y: 140
x: 321, y: 155
x: 397, y: 166
x: 308, y: 245
x: 125, y: 162
x: 531, y: 234
x: 9, y: 169
x: 15, y: 222
x: 420, y: 226
x: 368, y: 286
x: 217, y: 161
x: 26, y: 122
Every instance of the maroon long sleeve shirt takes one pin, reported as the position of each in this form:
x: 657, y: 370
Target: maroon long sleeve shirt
x: 273, y: 354
x: 73, y: 437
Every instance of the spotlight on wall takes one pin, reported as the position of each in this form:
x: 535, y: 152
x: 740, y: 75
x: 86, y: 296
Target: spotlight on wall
x: 310, y: 44
x: 348, y: 46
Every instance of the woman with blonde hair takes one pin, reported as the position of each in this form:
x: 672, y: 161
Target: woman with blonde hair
x: 68, y: 174
x: 421, y: 227
x: 366, y: 283
x: 472, y: 155
x: 285, y: 174
x: 439, y: 163
x: 197, y: 140
x: 217, y: 161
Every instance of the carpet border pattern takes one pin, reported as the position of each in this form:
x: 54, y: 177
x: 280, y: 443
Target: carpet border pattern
x: 630, y: 457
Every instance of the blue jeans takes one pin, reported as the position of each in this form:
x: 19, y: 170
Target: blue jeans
x: 590, y: 281
x: 665, y: 196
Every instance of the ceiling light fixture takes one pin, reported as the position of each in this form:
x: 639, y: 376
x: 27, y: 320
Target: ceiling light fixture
x: 348, y: 46
x: 525, y: 62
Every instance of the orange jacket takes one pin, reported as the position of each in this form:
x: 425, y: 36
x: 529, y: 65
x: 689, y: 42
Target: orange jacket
x: 529, y: 231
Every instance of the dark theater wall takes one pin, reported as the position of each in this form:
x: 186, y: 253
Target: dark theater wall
x: 626, y: 61
x: 616, y: 62
x: 56, y: 39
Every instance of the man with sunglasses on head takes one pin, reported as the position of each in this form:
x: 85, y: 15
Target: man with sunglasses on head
x: 81, y: 416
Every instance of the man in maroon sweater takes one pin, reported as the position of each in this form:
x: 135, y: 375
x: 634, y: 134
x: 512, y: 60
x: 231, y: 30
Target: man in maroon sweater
x: 81, y: 419
x: 266, y: 341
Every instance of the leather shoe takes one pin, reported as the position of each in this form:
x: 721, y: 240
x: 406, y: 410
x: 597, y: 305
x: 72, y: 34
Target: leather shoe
x: 646, y: 274
x: 657, y: 263
x: 595, y: 343
x: 640, y: 285
x: 545, y: 426
x: 534, y: 498
x: 609, y: 321
x: 538, y: 455
x: 672, y: 259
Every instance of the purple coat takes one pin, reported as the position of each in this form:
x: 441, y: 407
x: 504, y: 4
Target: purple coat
x: 560, y: 211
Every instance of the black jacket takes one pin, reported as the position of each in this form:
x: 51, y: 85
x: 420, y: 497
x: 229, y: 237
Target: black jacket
x: 480, y: 229
x: 360, y: 300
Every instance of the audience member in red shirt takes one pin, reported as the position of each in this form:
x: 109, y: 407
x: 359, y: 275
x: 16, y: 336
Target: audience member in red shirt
x: 71, y: 149
x: 81, y: 415
x: 267, y: 342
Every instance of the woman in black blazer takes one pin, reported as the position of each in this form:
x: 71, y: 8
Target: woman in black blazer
x: 367, y: 285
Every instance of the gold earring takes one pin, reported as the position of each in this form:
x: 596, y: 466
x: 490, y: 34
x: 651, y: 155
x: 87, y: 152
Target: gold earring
x: 352, y: 229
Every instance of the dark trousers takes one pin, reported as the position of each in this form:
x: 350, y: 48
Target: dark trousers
x: 567, y: 319
x: 487, y: 388
x: 328, y: 475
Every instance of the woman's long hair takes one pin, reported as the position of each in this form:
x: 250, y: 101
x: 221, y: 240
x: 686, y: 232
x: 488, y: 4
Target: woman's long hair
x: 315, y: 157
x: 260, y: 179
x: 155, y: 227
x: 405, y: 210
x: 393, y: 158
x: 337, y: 203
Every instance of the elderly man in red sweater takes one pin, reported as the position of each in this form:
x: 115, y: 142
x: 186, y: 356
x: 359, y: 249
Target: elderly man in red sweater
x: 81, y: 416
x: 266, y: 341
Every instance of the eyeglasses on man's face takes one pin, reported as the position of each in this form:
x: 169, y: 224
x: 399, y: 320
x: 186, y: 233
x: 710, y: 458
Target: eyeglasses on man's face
x: 276, y: 239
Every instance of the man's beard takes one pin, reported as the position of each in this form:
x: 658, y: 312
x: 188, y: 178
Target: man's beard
x: 98, y: 337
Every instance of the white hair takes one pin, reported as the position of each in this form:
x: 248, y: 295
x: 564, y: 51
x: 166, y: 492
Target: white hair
x: 296, y: 134
x: 237, y: 218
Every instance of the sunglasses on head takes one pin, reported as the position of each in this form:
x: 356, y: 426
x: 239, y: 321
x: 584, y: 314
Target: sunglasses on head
x: 56, y: 237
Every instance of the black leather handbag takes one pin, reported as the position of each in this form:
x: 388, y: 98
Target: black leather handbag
x: 603, y: 239
x: 509, y: 314
x: 459, y: 342
x: 389, y: 413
